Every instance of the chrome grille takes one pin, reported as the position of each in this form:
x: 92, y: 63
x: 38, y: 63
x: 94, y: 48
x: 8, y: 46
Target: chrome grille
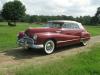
x: 28, y: 40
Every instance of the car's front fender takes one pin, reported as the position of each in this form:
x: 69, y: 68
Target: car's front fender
x: 42, y: 37
x: 20, y: 35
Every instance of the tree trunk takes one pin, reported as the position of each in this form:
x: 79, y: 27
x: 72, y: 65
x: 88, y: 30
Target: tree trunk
x: 15, y: 23
x: 11, y: 24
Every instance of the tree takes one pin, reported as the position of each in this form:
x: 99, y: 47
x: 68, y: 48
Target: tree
x: 96, y: 18
x: 98, y: 12
x: 13, y: 11
x: 1, y: 19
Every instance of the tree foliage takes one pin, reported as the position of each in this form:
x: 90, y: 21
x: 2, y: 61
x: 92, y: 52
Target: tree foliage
x: 13, y: 11
x: 1, y: 19
x: 42, y: 19
x: 96, y: 19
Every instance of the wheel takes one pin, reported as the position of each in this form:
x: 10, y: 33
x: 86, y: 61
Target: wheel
x: 49, y: 47
x: 83, y: 42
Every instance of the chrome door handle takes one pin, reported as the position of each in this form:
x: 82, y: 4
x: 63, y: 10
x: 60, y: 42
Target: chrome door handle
x: 58, y: 31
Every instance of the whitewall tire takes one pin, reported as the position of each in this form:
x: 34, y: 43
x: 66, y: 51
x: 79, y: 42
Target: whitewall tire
x: 83, y: 42
x: 49, y: 47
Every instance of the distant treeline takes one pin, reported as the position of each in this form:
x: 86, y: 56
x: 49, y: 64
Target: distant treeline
x: 14, y: 11
x: 86, y: 20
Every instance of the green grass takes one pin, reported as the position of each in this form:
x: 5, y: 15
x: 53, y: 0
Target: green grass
x: 86, y: 63
x: 94, y: 30
x: 8, y: 35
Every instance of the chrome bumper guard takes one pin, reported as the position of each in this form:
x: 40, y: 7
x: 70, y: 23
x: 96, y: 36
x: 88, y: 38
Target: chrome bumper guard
x: 28, y: 42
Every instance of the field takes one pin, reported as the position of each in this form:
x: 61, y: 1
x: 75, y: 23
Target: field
x: 84, y: 63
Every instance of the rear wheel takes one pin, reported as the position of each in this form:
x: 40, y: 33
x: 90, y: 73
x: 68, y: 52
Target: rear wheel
x: 83, y: 42
x: 49, y: 47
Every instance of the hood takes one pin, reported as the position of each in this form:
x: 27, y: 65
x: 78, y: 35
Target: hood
x: 31, y: 31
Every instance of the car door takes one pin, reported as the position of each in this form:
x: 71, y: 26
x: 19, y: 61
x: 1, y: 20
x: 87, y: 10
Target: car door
x: 73, y: 31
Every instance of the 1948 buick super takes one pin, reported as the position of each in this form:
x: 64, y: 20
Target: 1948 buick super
x: 57, y: 33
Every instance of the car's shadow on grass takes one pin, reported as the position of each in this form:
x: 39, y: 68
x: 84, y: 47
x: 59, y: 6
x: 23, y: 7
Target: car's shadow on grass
x: 18, y: 54
x: 69, y: 47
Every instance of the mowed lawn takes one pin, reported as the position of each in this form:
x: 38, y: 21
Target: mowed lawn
x: 8, y: 35
x: 94, y: 30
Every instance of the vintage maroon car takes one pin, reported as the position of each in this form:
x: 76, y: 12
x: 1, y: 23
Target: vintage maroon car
x: 57, y: 33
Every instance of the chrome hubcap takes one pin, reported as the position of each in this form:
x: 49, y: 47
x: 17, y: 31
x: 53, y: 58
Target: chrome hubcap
x: 49, y: 46
x: 84, y: 42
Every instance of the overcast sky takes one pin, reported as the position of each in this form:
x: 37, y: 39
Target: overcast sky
x: 59, y: 7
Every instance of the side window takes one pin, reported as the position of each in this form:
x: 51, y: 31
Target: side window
x: 71, y: 26
x: 74, y: 26
x: 67, y: 25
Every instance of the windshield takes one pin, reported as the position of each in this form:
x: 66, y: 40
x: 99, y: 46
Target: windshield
x: 55, y: 24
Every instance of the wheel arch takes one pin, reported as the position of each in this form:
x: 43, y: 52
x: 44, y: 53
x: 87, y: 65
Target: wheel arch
x: 54, y: 40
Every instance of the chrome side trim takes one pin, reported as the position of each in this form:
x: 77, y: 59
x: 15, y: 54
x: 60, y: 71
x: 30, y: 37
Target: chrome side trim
x: 85, y: 38
x: 67, y: 41
x: 36, y: 46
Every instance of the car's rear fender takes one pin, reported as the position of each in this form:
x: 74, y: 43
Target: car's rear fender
x: 85, y: 35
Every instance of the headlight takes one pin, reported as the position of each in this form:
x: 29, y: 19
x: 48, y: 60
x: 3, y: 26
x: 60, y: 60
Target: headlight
x: 35, y: 37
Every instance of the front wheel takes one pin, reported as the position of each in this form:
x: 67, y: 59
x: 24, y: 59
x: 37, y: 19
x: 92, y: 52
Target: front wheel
x: 49, y: 47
